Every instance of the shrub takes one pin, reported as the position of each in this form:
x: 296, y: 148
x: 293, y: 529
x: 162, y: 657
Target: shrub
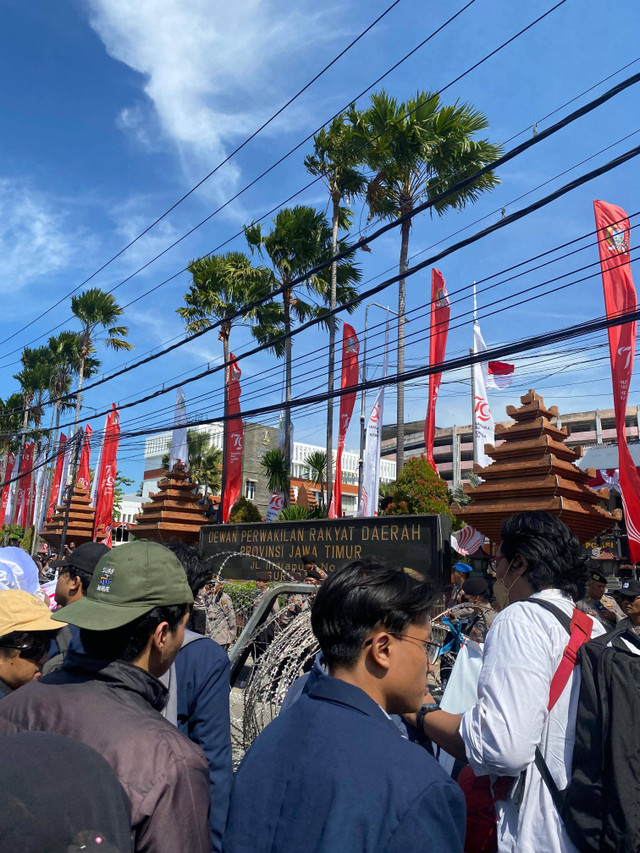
x: 418, y: 491
x: 244, y: 511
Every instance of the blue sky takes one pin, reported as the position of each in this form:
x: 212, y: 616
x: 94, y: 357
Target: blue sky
x: 112, y: 110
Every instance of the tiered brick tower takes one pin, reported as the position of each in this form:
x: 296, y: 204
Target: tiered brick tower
x: 534, y: 470
x: 173, y: 513
x: 80, y: 526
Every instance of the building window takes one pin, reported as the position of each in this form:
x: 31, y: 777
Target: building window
x: 250, y: 489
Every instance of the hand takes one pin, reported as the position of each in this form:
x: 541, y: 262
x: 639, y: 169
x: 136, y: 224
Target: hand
x: 610, y: 615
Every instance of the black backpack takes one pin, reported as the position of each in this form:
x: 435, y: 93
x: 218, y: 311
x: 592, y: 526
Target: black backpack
x: 600, y: 807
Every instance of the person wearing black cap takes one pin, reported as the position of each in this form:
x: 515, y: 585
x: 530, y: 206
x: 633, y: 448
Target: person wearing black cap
x: 630, y: 602
x: 74, y: 576
x: 598, y: 605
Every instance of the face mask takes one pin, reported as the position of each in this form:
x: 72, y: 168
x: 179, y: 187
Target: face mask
x: 501, y: 590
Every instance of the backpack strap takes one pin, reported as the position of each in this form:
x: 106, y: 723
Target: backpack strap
x: 579, y: 628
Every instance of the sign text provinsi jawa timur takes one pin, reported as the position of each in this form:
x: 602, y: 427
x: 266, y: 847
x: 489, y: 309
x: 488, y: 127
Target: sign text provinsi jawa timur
x: 419, y: 542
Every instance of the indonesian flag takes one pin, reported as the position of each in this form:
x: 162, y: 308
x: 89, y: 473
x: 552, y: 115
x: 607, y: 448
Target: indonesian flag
x: 4, y: 497
x: 84, y: 472
x: 107, y: 478
x: 499, y: 374
x: 612, y: 226
x: 235, y: 441
x: 57, y: 476
x: 350, y: 373
x: 437, y: 347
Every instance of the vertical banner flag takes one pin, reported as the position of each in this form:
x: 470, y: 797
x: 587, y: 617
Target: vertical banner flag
x: 40, y: 485
x: 373, y: 438
x: 350, y: 352
x: 437, y: 348
x: 68, y: 451
x: 235, y: 441
x: 4, y: 497
x: 96, y: 471
x: 57, y: 477
x: 13, y: 491
x: 179, y: 451
x: 483, y: 419
x: 612, y: 226
x: 107, y: 478
x: 84, y: 471
x: 24, y: 486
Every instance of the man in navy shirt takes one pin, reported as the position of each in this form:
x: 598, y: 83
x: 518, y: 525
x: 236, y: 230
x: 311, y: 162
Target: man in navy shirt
x: 332, y: 774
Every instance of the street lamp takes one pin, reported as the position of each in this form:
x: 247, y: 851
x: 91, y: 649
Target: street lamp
x: 363, y: 401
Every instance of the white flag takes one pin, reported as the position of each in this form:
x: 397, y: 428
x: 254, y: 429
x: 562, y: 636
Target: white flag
x: 41, y: 486
x: 68, y: 450
x: 484, y: 431
x: 13, y: 489
x: 179, y: 450
x: 373, y: 438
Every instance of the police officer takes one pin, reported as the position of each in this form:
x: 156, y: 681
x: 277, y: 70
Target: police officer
x: 598, y: 605
x: 459, y: 574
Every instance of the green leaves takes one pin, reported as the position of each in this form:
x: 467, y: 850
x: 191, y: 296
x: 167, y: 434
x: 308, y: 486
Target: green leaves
x: 276, y: 469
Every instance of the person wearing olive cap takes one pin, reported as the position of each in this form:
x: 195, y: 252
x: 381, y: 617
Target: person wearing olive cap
x: 598, y: 605
x: 132, y: 623
x: 26, y: 631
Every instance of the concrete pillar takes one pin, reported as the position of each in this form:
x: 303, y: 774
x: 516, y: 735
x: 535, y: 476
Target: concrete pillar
x: 598, y: 427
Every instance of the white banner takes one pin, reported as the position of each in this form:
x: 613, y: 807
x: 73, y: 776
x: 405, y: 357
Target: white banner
x: 41, y: 487
x: 373, y: 437
x: 179, y: 450
x: 13, y: 490
x: 68, y: 450
x: 276, y: 504
x: 484, y: 430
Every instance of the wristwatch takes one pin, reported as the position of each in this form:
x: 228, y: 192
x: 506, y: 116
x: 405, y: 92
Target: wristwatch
x: 422, y: 713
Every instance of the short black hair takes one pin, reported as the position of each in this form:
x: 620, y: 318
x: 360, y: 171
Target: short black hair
x: 553, y: 552
x: 360, y: 597
x: 199, y: 572
x: 73, y: 572
x: 129, y: 641
x: 307, y: 560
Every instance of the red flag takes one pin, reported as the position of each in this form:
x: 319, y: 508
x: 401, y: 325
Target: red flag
x: 84, y: 472
x: 235, y: 442
x: 57, y: 476
x: 24, y: 487
x: 437, y: 348
x: 350, y: 352
x: 107, y: 478
x: 8, y: 471
x: 612, y: 226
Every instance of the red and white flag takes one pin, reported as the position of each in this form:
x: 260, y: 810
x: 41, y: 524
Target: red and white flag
x: 612, y: 226
x: 437, y: 347
x: 57, y: 476
x: 350, y: 373
x: 4, y: 497
x: 499, y: 374
x: 276, y: 505
x: 84, y: 472
x: 483, y: 419
x: 107, y: 478
x: 24, y: 487
x: 467, y: 541
x: 235, y: 441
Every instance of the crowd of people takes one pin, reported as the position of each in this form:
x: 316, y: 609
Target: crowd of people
x: 125, y: 688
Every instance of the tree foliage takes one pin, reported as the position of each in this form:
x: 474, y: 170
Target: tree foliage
x: 418, y: 491
x: 274, y: 465
x: 244, y: 511
x: 295, y: 512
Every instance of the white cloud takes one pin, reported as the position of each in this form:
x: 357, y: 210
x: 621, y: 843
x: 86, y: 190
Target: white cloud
x: 35, y: 240
x: 212, y: 71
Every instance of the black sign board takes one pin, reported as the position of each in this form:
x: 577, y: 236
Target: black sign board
x: 419, y: 542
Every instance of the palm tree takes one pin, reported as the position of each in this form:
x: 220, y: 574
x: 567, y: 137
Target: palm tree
x: 276, y: 468
x: 300, y: 239
x: 222, y: 285
x: 96, y: 310
x: 417, y: 150
x: 317, y: 462
x: 204, y: 461
x: 10, y: 423
x: 335, y: 159
x: 34, y: 380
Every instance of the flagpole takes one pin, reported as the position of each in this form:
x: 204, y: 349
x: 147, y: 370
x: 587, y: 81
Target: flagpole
x: 473, y: 385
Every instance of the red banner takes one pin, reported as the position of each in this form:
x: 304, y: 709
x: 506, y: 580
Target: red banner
x: 24, y: 487
x: 107, y: 478
x: 8, y: 471
x: 57, y: 476
x: 437, y: 347
x: 235, y: 442
x: 612, y: 226
x: 84, y: 472
x: 350, y: 352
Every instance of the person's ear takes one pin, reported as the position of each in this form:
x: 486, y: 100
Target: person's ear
x: 380, y: 650
x: 519, y: 564
x: 159, y: 636
x: 75, y: 585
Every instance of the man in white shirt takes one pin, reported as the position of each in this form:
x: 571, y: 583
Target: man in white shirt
x: 539, y: 558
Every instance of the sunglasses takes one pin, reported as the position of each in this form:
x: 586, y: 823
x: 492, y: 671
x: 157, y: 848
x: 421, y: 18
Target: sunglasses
x: 33, y: 650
